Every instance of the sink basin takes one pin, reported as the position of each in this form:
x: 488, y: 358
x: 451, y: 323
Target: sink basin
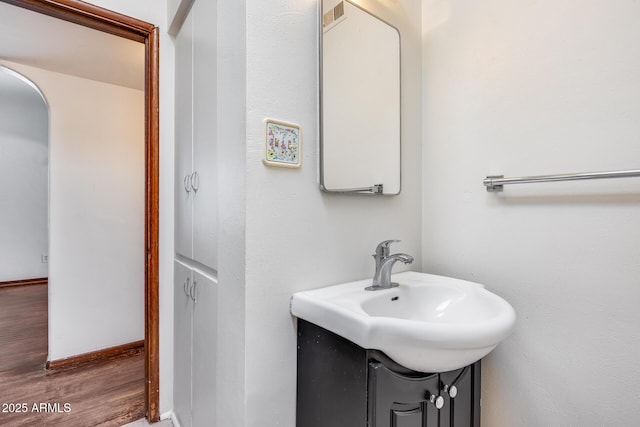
x: 428, y: 323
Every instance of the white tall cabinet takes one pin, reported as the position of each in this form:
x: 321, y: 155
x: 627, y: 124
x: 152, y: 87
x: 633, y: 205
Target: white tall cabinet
x: 196, y: 216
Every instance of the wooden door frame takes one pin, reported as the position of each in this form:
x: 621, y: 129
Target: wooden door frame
x: 88, y: 15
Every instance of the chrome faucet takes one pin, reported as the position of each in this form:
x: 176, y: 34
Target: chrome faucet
x: 382, y: 251
x: 384, y: 265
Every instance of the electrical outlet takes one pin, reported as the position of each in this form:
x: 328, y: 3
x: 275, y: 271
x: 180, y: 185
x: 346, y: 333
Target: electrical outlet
x: 45, y: 258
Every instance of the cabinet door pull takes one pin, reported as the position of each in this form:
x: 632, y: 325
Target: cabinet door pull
x: 451, y: 389
x: 185, y: 285
x: 438, y: 401
x: 195, y: 181
x: 192, y: 291
x: 187, y: 183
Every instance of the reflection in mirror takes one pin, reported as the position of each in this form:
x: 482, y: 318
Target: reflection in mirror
x: 359, y: 101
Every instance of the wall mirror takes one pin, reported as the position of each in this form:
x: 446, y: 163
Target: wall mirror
x: 359, y: 101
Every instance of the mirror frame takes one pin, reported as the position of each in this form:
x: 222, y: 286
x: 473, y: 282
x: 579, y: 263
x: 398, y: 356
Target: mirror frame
x: 376, y: 189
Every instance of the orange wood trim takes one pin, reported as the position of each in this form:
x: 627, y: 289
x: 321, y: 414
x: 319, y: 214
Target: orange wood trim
x: 152, y: 306
x: 25, y: 282
x: 99, y: 356
x: 91, y: 16
x: 111, y: 22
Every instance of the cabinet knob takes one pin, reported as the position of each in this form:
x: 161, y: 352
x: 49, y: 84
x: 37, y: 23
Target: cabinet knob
x: 438, y: 401
x: 452, y: 390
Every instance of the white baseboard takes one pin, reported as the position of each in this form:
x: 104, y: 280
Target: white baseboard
x: 166, y: 416
x: 174, y: 419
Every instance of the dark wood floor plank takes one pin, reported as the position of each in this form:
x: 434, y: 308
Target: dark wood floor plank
x: 106, y: 394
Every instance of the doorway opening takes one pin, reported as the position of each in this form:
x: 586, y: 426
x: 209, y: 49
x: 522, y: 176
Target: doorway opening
x: 100, y: 19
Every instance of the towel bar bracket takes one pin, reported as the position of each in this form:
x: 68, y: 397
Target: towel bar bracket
x: 491, y: 187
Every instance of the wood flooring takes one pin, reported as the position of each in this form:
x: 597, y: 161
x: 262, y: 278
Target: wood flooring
x: 105, y: 394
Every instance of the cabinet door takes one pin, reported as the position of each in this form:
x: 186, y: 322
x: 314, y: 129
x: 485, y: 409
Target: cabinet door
x: 184, y: 138
x: 400, y: 401
x: 182, y: 329
x: 463, y: 409
x: 205, y: 322
x: 205, y: 209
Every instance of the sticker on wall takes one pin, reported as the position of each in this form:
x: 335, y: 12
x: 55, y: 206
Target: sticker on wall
x: 282, y: 144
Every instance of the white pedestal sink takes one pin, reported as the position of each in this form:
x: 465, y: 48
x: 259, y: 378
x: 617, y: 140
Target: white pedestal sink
x: 428, y: 323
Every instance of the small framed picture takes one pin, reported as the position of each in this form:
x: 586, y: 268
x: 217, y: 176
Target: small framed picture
x: 283, y: 144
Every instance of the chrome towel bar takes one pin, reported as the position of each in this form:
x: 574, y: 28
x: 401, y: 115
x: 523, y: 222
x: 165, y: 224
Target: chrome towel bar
x: 496, y: 183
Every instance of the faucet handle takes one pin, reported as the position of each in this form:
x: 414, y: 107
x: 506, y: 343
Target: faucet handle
x: 386, y: 243
x: 382, y: 250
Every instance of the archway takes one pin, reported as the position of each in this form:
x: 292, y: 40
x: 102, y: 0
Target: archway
x: 24, y: 159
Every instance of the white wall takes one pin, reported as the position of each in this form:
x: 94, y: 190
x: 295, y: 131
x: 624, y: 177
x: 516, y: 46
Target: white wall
x: 297, y: 237
x: 24, y: 179
x: 231, y: 151
x: 96, y: 217
x: 527, y: 88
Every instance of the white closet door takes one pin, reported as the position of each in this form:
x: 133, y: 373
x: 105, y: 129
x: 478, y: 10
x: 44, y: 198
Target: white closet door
x: 183, y: 338
x: 205, y: 214
x: 184, y: 139
x: 205, y: 323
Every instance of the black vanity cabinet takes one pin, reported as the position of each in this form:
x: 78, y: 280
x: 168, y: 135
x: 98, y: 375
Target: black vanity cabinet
x: 343, y: 385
